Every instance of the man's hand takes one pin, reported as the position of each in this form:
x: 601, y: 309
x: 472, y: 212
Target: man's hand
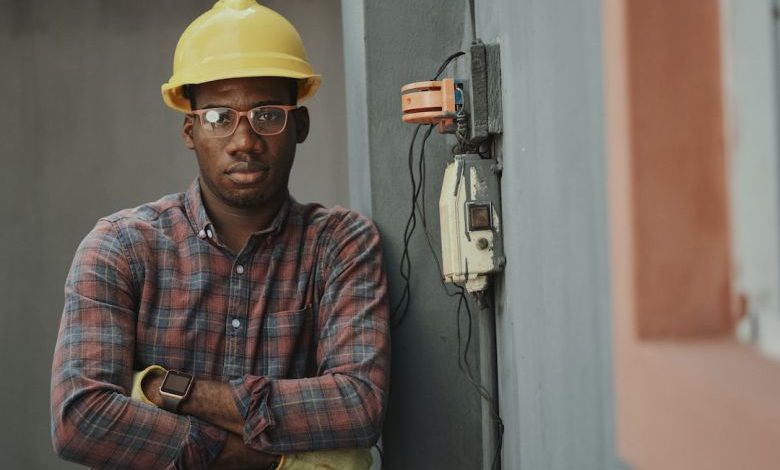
x: 237, y: 456
x: 213, y: 402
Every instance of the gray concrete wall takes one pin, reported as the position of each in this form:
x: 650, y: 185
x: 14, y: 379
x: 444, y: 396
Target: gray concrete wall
x: 553, y: 321
x: 433, y: 419
x: 553, y: 314
x: 83, y: 133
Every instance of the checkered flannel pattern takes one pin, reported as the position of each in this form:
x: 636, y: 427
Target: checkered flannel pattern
x: 296, y: 323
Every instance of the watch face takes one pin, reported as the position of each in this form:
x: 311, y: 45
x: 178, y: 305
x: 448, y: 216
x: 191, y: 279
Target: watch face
x: 176, y: 383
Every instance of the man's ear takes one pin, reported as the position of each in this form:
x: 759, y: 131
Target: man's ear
x: 301, y: 116
x: 187, y: 129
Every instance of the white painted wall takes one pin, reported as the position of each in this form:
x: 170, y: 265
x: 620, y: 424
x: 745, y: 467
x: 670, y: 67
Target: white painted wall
x: 753, y: 100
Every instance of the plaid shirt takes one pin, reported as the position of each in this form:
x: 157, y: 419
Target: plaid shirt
x: 296, y: 323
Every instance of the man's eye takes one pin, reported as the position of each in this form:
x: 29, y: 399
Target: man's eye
x: 266, y: 116
x: 214, y: 116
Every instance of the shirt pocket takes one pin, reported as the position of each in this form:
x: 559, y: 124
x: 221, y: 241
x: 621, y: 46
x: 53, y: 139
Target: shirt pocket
x: 286, y: 347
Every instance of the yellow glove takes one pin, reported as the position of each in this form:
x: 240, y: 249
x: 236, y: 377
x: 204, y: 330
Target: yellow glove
x: 138, y: 378
x: 340, y: 459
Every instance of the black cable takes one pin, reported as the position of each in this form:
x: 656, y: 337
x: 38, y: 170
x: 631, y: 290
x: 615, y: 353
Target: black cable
x: 472, y: 15
x: 421, y: 174
x: 381, y: 456
x: 463, y: 361
x: 464, y: 364
x: 421, y: 205
x: 421, y: 171
x: 481, y: 390
x: 418, y: 207
x: 405, y: 267
x: 446, y: 63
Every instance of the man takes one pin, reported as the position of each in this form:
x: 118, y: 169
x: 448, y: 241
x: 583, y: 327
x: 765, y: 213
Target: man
x: 255, y: 327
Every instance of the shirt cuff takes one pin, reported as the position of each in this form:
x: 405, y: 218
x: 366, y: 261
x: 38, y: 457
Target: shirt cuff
x: 251, y: 394
x: 202, y: 446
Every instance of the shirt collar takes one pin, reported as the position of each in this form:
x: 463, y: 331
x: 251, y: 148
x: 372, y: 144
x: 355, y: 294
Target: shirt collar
x: 281, y: 216
x: 196, y: 211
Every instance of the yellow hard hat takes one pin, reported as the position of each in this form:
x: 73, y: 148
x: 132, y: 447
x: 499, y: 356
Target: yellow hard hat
x: 238, y: 38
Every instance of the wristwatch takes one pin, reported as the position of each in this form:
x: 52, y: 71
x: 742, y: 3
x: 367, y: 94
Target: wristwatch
x: 174, y: 389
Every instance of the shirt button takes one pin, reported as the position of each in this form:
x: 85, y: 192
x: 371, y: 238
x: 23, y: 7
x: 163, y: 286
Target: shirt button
x: 240, y: 269
x: 209, y: 233
x: 236, y: 323
x: 202, y: 234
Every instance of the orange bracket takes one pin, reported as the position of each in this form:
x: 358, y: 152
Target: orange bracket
x: 431, y: 102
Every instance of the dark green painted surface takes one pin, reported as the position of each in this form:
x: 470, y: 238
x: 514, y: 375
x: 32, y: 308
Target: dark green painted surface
x: 434, y: 416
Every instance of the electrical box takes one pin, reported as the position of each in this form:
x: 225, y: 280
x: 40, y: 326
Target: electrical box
x: 484, y: 94
x: 470, y: 219
x: 470, y: 201
x: 432, y: 102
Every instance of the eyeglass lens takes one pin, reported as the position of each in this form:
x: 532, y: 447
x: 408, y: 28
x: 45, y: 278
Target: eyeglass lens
x: 265, y: 120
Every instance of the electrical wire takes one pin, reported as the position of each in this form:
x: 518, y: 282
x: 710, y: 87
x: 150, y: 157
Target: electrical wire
x: 446, y: 63
x: 401, y: 309
x: 381, y: 455
x: 465, y: 367
x: 463, y: 360
x: 405, y: 269
x: 472, y: 15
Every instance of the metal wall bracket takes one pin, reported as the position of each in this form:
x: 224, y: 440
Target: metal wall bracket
x: 486, y: 112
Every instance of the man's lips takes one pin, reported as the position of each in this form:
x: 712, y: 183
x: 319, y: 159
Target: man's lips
x: 246, y: 172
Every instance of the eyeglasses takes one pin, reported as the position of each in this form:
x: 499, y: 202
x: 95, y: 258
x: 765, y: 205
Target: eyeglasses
x: 264, y: 120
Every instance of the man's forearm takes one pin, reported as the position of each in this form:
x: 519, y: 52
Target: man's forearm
x: 213, y: 403
x: 208, y: 400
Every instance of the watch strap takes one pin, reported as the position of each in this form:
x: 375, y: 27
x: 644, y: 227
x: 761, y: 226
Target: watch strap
x: 171, y: 403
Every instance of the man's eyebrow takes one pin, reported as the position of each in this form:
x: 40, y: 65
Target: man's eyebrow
x: 266, y: 103
x: 254, y: 105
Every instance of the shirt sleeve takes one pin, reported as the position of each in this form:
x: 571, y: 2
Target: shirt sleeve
x: 94, y: 421
x: 343, y: 405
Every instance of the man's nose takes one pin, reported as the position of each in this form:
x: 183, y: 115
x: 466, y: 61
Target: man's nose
x: 245, y: 139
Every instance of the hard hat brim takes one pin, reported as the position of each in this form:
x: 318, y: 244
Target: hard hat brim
x: 173, y: 92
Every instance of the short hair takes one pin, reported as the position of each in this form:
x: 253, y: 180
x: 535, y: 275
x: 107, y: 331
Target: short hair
x: 188, y: 91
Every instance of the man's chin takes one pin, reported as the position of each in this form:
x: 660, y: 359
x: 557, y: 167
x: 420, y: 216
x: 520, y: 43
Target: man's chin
x: 238, y: 197
x: 245, y: 199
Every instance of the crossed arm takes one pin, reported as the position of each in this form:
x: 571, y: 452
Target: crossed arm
x: 213, y: 402
x: 94, y: 422
x: 235, y: 455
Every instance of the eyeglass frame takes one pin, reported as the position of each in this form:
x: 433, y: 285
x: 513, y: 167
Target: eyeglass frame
x: 286, y: 107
